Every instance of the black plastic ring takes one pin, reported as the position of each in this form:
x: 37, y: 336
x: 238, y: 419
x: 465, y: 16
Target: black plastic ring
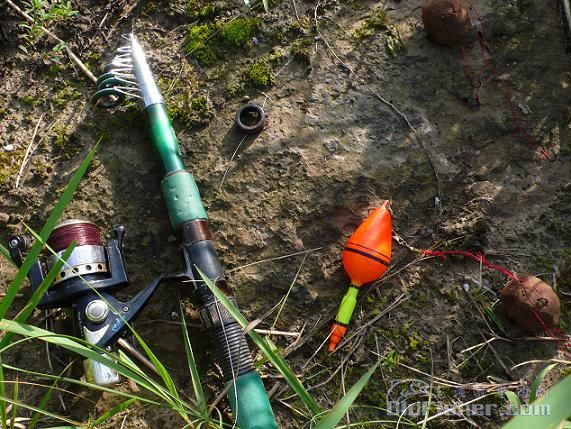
x: 251, y: 118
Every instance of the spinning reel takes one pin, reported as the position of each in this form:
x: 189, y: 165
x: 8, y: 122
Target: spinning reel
x: 84, y: 283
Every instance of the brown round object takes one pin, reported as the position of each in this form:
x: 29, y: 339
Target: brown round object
x: 531, y: 303
x: 447, y: 22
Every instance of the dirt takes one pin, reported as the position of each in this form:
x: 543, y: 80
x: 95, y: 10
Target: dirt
x: 489, y: 177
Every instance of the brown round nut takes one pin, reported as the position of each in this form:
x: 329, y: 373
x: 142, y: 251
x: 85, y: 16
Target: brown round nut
x: 447, y: 22
x: 531, y: 303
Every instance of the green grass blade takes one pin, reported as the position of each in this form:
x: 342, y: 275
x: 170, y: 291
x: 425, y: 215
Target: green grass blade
x: 33, y: 408
x: 549, y: 410
x: 47, y: 229
x: 113, y: 411
x: 342, y: 406
x: 83, y: 384
x: 492, y: 315
x: 197, y: 386
x: 277, y: 360
x: 2, y: 393
x: 6, y: 254
x: 43, y: 287
x: 28, y: 309
x: 78, y: 347
x: 45, y: 398
x: 538, y: 380
x: 515, y: 402
x: 15, y: 399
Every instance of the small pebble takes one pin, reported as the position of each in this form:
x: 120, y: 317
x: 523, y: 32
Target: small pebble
x: 8, y: 148
x: 466, y: 287
x: 245, y: 99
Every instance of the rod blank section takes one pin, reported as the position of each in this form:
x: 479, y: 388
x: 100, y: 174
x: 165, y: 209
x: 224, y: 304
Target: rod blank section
x: 163, y: 138
x: 182, y: 198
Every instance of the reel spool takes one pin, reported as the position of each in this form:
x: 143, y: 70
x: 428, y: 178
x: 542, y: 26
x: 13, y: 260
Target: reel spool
x: 88, y: 258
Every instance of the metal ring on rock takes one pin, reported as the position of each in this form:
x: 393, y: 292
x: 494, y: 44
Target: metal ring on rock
x: 251, y: 118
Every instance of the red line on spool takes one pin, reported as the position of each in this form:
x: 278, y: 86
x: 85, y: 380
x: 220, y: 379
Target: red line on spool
x: 83, y: 232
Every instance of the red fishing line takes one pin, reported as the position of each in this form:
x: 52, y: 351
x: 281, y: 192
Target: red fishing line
x: 485, y: 64
x: 84, y: 233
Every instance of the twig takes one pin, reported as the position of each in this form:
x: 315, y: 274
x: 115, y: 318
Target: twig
x: 18, y: 295
x: 279, y: 333
x: 487, y: 387
x: 561, y: 361
x: 28, y: 152
x: 230, y: 162
x: 199, y: 326
x: 509, y: 340
x: 69, y: 52
x: 316, y: 351
x: 274, y: 259
x: 129, y: 348
x: 284, y: 300
x: 506, y: 369
x: 295, y: 344
x: 295, y: 10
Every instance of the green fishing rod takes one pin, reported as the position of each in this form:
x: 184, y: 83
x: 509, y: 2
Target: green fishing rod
x: 129, y: 76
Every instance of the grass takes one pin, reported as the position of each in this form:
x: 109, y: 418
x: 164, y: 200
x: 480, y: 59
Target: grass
x: 45, y: 14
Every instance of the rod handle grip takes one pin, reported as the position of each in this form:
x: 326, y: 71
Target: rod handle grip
x: 252, y: 409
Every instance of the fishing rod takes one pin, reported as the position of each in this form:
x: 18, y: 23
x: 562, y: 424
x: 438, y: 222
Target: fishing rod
x: 129, y: 76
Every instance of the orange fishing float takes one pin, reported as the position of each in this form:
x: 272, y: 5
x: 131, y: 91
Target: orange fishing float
x: 366, y: 257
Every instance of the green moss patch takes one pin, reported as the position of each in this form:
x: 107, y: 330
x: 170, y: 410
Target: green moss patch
x: 261, y: 74
x: 191, y: 110
x: 377, y: 22
x: 206, y: 42
x: 239, y: 32
x: 199, y: 43
x: 300, y: 49
x: 198, y: 10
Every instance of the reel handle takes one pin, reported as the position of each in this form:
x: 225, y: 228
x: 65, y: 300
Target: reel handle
x: 90, y: 312
x: 102, y: 320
